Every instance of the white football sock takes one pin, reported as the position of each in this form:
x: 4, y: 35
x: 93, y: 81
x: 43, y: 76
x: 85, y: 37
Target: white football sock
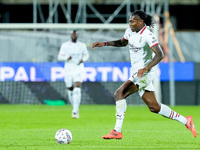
x: 169, y: 113
x: 70, y: 96
x: 76, y: 99
x: 120, y: 113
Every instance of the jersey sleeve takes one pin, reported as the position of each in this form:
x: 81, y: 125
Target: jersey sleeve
x: 62, y: 56
x: 125, y: 37
x: 151, y: 39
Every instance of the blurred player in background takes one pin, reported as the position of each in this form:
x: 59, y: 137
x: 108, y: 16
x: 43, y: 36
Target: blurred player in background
x: 142, y: 62
x: 74, y: 53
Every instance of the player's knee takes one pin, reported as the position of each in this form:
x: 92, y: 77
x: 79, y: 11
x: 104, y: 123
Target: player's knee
x: 117, y: 95
x: 154, y: 109
x: 77, y: 84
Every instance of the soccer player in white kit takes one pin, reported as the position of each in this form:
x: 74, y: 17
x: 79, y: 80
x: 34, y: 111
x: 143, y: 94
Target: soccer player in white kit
x: 142, y: 62
x: 74, y: 53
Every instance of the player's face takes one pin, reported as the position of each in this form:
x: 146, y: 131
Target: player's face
x: 74, y: 36
x: 135, y: 23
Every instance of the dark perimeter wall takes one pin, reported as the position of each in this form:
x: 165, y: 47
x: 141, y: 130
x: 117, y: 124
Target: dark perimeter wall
x: 187, y: 93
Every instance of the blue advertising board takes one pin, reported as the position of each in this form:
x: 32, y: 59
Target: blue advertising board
x: 182, y: 71
x: 94, y: 72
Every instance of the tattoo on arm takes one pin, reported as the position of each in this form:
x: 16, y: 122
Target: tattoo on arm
x: 118, y: 43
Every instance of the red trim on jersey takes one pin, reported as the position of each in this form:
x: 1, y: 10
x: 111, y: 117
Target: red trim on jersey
x: 125, y: 39
x: 154, y: 45
x: 143, y: 29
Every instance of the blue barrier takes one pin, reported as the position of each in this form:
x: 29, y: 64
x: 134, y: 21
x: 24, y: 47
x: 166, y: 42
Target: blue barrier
x: 94, y: 72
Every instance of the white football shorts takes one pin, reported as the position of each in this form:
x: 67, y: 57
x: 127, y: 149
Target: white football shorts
x: 145, y: 83
x: 72, y: 78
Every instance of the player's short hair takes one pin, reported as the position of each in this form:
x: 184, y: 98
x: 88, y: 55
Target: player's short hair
x: 148, y: 20
x: 74, y: 31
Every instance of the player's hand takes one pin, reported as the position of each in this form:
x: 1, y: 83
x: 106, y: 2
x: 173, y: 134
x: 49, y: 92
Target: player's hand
x: 69, y: 58
x: 81, y: 61
x: 97, y: 44
x: 141, y: 72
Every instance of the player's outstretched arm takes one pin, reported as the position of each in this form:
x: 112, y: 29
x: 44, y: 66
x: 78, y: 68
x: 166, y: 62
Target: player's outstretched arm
x: 97, y: 44
x: 117, y: 43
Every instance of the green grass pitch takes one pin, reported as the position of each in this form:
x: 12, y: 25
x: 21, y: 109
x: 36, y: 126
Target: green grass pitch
x: 34, y: 126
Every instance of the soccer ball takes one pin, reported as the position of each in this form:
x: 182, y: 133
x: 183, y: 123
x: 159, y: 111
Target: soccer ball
x: 63, y: 136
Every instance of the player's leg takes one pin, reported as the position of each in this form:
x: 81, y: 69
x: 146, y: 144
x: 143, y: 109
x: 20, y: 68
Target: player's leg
x: 70, y: 94
x: 77, y: 79
x: 121, y: 93
x: 146, y: 91
x: 77, y: 99
x: 150, y: 100
x: 69, y: 85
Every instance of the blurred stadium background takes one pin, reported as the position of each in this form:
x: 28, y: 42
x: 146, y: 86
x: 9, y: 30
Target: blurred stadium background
x: 31, y: 33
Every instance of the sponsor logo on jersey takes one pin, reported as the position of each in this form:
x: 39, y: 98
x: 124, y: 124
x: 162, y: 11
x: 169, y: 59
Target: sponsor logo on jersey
x: 133, y: 48
x: 154, y: 40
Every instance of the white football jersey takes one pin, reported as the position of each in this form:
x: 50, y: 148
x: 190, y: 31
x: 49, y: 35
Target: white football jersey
x: 77, y: 51
x: 139, y: 55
